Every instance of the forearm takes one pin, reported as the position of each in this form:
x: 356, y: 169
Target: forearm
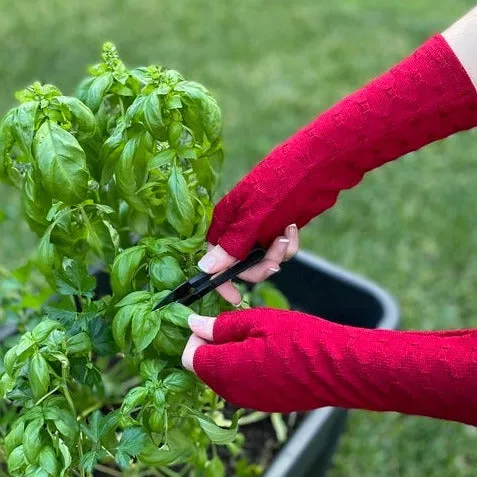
x: 425, y: 97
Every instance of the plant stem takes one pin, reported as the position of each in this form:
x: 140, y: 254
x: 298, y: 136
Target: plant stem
x: 66, y: 392
x: 47, y: 395
x: 108, y: 470
x: 91, y: 409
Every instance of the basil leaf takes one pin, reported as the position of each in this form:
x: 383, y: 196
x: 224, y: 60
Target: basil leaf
x: 121, y: 323
x: 39, y: 376
x: 153, y: 117
x: 32, y: 440
x: 91, y: 458
x: 124, y: 269
x: 216, y: 434
x: 180, y: 210
x: 85, y: 120
x: 150, y: 369
x: 179, y: 448
x: 66, y: 454
x: 133, y: 398
x: 131, y: 444
x: 64, y: 421
x: 178, y: 381
x: 156, y: 420
x: 109, y: 155
x: 102, y: 337
x: 97, y: 89
x: 164, y: 157
x: 74, y: 279
x: 176, y: 314
x: 171, y: 340
x: 145, y: 326
x: 41, y: 331
x: 135, y: 297
x: 266, y: 295
x: 215, y: 468
x: 47, y: 460
x: 79, y: 344
x: 35, y: 202
x: 125, y: 174
x: 61, y: 163
x: 23, y: 125
x: 15, y: 437
x: 165, y: 272
x: 16, y: 459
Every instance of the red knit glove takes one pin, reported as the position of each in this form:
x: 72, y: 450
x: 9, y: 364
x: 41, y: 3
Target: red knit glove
x: 281, y: 361
x: 426, y: 97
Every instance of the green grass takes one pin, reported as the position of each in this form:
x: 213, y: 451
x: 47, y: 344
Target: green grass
x: 274, y: 64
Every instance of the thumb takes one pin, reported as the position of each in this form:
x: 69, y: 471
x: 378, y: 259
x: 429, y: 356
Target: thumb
x: 216, y: 260
x: 188, y: 354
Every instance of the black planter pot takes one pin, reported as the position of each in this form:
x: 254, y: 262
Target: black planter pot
x: 317, y: 287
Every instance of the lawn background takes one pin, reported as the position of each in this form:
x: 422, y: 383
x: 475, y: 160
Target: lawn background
x: 274, y: 65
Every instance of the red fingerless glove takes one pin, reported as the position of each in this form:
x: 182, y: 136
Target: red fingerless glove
x: 282, y: 361
x: 426, y: 97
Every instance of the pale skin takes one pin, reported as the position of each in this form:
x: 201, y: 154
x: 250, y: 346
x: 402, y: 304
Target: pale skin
x: 462, y: 39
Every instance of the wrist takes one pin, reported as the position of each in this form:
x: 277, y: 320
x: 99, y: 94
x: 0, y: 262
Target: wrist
x: 462, y: 39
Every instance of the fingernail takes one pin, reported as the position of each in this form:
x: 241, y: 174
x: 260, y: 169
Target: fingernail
x: 284, y: 240
x: 272, y: 270
x: 293, y: 229
x: 196, y: 321
x: 206, y: 263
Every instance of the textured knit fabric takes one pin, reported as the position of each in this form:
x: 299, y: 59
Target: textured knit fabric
x: 425, y: 97
x: 282, y: 361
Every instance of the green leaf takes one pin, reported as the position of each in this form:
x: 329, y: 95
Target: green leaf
x: 145, y: 326
x: 41, y: 331
x: 10, y: 360
x: 170, y: 340
x: 79, y: 344
x: 39, y: 375
x: 178, y: 381
x: 150, y: 368
x: 90, y: 459
x: 15, y: 437
x: 61, y: 163
x: 215, y: 468
x: 16, y: 459
x: 153, y: 117
x: 131, y: 444
x: 32, y: 440
x: 180, y: 210
x: 102, y: 337
x: 164, y: 157
x: 47, y: 460
x: 216, y: 434
x: 267, y: 295
x: 124, y: 269
x: 166, y: 272
x: 126, y: 174
x: 135, y: 297
x: 73, y: 279
x: 109, y: 155
x: 178, y: 450
x: 176, y: 314
x: 97, y: 90
x: 84, y: 117
x: 100, y: 425
x: 64, y: 421
x: 23, y: 125
x: 63, y: 316
x: 66, y: 454
x: 121, y: 323
x: 133, y: 398
x: 35, y: 202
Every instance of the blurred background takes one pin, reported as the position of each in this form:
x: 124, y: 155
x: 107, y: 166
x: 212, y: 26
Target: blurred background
x: 274, y: 65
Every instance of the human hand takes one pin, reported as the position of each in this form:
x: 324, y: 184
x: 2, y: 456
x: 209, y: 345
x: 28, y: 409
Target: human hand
x: 282, y: 249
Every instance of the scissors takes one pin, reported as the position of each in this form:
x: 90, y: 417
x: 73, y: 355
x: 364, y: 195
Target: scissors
x: 196, y: 287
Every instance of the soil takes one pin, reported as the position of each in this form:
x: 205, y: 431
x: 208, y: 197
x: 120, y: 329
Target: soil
x: 261, y: 444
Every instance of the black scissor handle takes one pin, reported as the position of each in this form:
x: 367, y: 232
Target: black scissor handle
x: 204, y: 283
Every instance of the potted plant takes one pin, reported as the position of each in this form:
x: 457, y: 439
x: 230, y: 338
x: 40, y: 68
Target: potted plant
x: 118, y: 183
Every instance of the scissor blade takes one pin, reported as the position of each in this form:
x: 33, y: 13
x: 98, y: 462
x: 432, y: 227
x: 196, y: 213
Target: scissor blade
x: 175, y: 295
